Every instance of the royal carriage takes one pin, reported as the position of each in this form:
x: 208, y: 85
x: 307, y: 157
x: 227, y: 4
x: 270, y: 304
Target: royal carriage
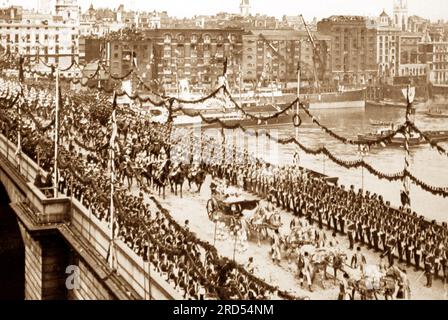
x: 225, y: 208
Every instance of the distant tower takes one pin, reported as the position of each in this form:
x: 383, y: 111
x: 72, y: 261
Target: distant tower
x: 384, y: 19
x: 401, y: 14
x: 244, y: 8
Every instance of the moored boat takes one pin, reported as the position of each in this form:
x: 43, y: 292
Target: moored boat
x: 379, y: 123
x: 437, y: 111
x: 432, y: 114
x: 399, y: 139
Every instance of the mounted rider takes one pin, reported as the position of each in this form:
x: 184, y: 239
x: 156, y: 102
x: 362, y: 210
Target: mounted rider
x: 162, y: 163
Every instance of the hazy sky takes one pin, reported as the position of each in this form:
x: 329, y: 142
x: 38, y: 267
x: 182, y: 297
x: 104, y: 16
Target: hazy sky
x: 433, y: 9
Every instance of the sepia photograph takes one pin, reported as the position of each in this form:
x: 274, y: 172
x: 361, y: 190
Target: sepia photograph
x: 235, y: 150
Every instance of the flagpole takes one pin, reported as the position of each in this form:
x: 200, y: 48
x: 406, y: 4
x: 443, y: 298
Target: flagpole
x: 112, y: 180
x: 298, y: 102
x: 19, y: 134
x: 56, y: 133
x: 241, y: 85
x: 406, y: 147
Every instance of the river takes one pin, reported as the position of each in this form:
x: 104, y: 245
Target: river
x: 426, y: 163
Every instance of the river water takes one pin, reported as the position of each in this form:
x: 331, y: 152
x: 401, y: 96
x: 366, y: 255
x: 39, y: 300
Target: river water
x: 426, y: 163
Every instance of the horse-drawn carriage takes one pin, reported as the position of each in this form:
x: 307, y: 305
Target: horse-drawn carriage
x: 223, y: 208
x: 374, y: 283
x: 246, y: 213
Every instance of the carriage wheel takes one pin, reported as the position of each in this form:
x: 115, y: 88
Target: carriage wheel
x: 210, y: 209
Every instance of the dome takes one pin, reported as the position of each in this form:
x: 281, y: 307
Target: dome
x: 384, y: 14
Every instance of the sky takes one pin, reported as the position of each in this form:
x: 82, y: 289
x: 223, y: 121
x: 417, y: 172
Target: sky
x: 432, y: 9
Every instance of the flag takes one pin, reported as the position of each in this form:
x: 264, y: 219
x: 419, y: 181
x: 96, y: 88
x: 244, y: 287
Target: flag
x: 409, y: 93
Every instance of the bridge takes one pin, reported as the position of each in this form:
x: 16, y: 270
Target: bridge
x: 64, y: 248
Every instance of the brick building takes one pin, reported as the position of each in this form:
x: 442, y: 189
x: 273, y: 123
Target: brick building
x: 194, y: 54
x: 126, y: 48
x: 274, y: 55
x: 353, y: 49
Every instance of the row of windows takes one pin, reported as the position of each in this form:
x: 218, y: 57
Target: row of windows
x: 135, y: 47
x: 33, y: 28
x: 195, y: 38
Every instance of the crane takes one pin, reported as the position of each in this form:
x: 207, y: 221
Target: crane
x: 313, y: 43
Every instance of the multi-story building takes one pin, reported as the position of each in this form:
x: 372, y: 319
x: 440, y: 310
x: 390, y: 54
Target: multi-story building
x: 274, y: 55
x: 195, y: 54
x: 353, y: 49
x: 409, y: 66
x: 387, y: 48
x: 52, y: 38
x: 127, y: 50
x: 435, y: 55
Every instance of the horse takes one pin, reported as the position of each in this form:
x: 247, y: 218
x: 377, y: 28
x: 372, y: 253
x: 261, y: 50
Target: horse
x: 154, y: 150
x: 197, y: 177
x: 177, y: 178
x: 146, y: 172
x: 161, y: 177
x: 126, y: 171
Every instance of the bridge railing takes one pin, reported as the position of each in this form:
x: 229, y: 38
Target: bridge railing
x: 129, y: 264
x: 42, y: 209
x: 28, y: 168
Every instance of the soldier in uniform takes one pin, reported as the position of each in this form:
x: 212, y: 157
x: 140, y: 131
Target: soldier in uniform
x: 319, y: 215
x: 359, y: 229
x: 417, y: 255
x: 409, y: 249
x: 401, y: 244
x: 342, y: 219
x: 390, y: 252
x: 444, y: 264
x: 383, y: 236
x: 351, y: 234
x: 374, y: 234
x: 429, y: 269
x: 368, y: 232
x: 437, y: 260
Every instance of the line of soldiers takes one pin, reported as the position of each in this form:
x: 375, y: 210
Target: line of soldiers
x: 365, y: 218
